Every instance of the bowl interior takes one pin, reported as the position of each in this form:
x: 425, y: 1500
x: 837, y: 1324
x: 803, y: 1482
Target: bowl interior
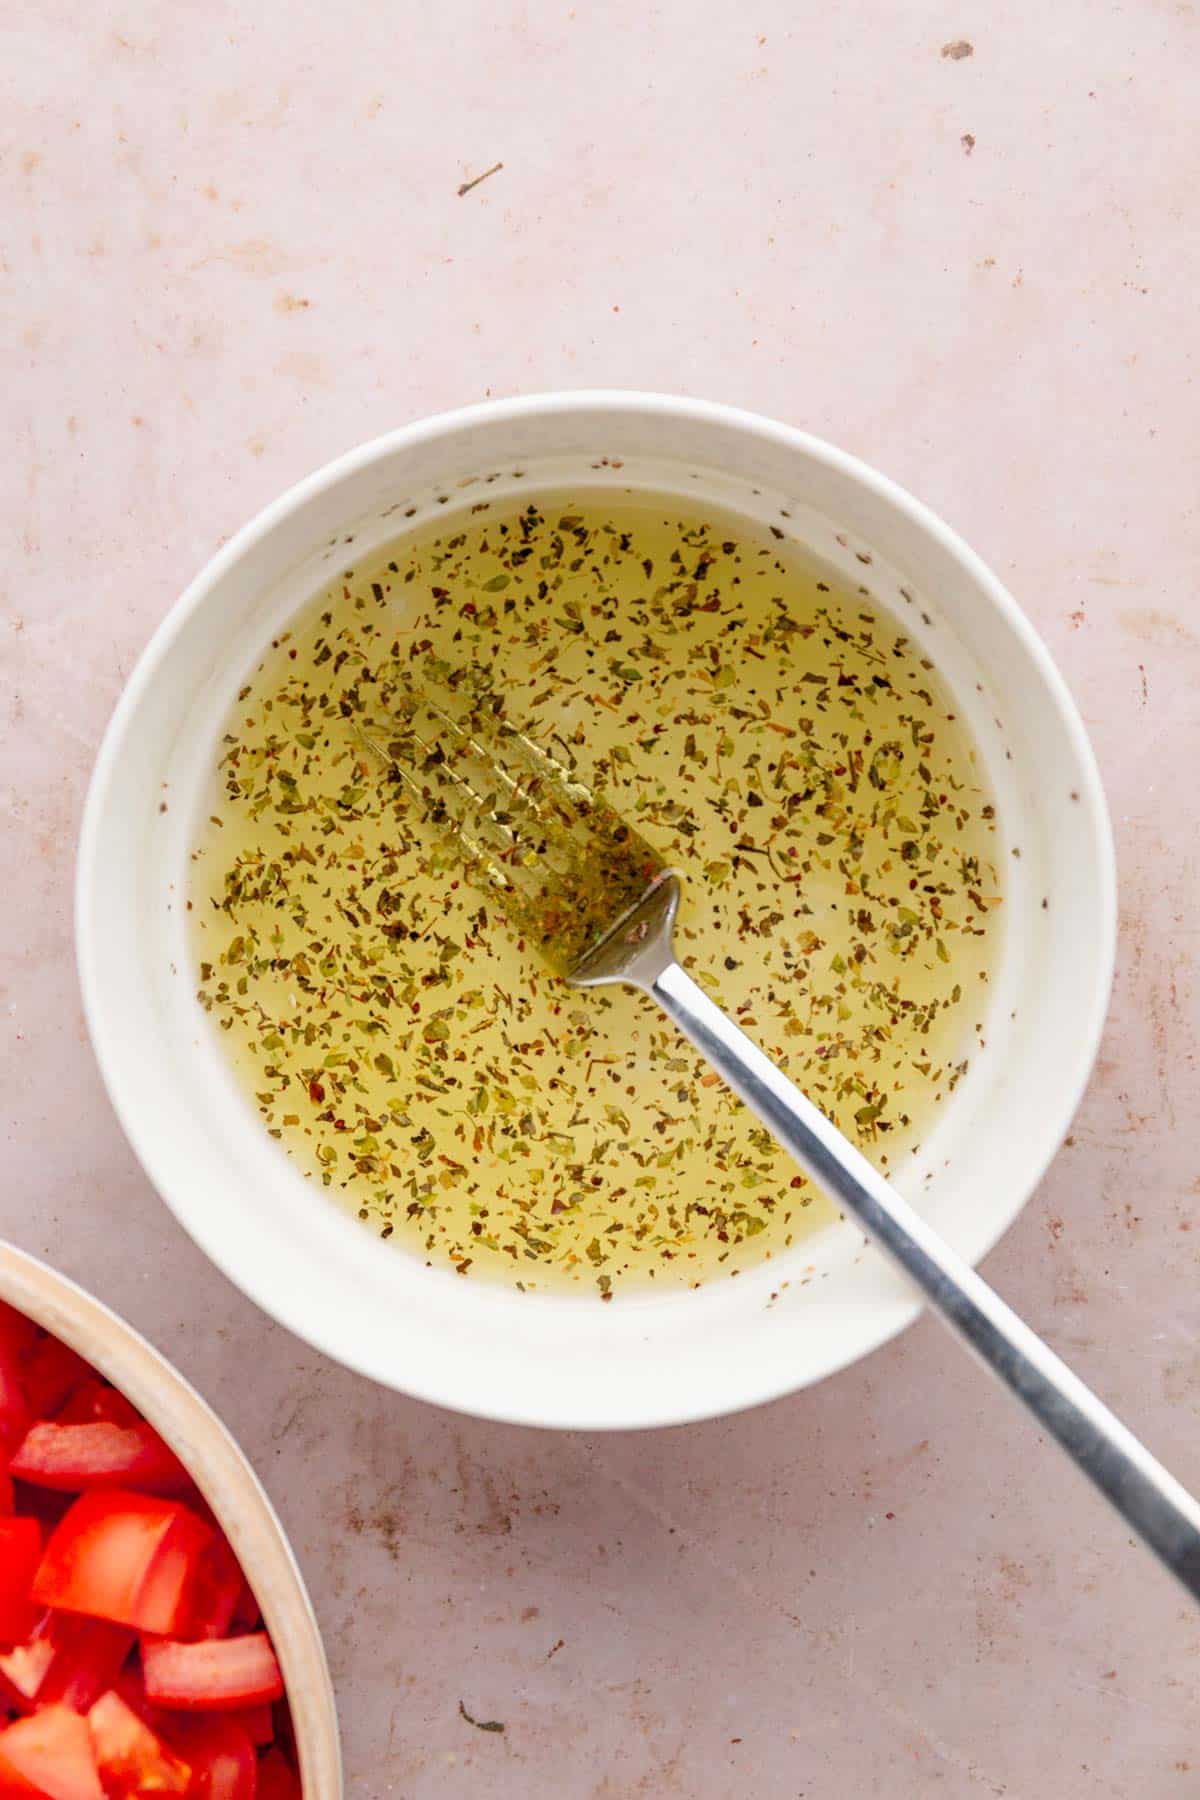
x: 224, y: 1477
x: 565, y: 1360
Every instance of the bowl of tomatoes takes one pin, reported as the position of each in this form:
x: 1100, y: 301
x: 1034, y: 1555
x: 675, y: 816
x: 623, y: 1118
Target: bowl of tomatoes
x: 155, y: 1633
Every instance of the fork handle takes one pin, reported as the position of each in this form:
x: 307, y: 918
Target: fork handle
x: 1150, y: 1500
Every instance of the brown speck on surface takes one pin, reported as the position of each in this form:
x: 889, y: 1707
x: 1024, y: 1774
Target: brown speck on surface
x: 480, y: 1724
x: 1077, y: 618
x: 956, y: 51
x: 466, y: 186
x: 555, y: 1648
x: 290, y: 303
x: 967, y: 140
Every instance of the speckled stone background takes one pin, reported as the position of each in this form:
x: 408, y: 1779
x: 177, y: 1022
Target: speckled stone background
x: 231, y: 246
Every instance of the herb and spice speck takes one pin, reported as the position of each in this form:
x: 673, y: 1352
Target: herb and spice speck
x: 773, y: 735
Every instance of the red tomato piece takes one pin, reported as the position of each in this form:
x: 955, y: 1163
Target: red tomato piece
x: 123, y: 1556
x: 20, y: 1554
x: 247, y: 1613
x: 215, y: 1591
x: 6, y: 1494
x: 258, y: 1722
x: 50, y: 1372
x: 17, y: 1333
x: 277, y: 1780
x: 14, y: 1410
x: 93, y: 1400
x: 24, y: 1668
x: 88, y: 1656
x: 223, y: 1760
x: 132, y: 1760
x: 65, y: 1659
x: 208, y: 1677
x: 49, y: 1757
x: 100, y: 1453
x: 42, y: 1504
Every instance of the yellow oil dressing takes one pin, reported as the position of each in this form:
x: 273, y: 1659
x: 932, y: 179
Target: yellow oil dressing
x: 774, y: 735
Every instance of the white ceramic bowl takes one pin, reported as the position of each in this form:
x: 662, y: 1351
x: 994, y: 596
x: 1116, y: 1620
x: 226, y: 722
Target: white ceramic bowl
x: 559, y: 1360
x: 225, y: 1479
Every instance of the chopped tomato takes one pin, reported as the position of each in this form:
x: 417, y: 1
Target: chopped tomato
x: 50, y: 1372
x: 223, y: 1760
x: 99, y: 1453
x: 88, y: 1656
x: 17, y: 1333
x: 131, y: 1758
x: 14, y: 1410
x: 103, y: 1536
x: 43, y: 1504
x: 258, y: 1722
x: 20, y: 1553
x: 49, y: 1757
x: 214, y: 1676
x: 215, y: 1591
x: 247, y: 1613
x: 277, y: 1780
x: 94, y: 1400
x: 123, y: 1556
x: 24, y: 1668
x: 64, y: 1659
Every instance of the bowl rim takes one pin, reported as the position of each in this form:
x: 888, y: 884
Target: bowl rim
x: 224, y: 1475
x: 769, y: 1385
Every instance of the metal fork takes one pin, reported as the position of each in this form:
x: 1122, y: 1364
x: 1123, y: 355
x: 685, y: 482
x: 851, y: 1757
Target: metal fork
x: 600, y: 906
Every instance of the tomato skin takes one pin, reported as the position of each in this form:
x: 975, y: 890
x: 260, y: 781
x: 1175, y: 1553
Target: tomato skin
x: 49, y: 1757
x: 97, y: 1453
x: 213, y: 1676
x: 20, y: 1553
x: 123, y: 1556
x: 223, y: 1760
x: 132, y: 1760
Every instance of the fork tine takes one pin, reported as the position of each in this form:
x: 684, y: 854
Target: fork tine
x: 562, y: 863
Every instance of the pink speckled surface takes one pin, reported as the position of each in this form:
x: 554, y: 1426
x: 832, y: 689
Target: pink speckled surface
x: 232, y: 246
